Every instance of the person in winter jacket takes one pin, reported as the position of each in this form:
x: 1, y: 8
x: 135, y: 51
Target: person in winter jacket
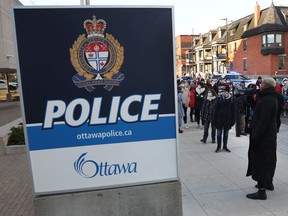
x: 180, y: 108
x: 207, y: 113
x: 186, y: 100
x: 224, y: 117
x: 262, y: 144
x: 200, y: 93
x: 192, y: 101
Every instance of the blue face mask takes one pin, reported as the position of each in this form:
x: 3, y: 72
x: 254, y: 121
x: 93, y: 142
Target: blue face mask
x: 210, y: 94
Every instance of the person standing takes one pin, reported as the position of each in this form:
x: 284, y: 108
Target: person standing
x: 186, y: 100
x: 285, y: 98
x: 180, y: 108
x: 258, y: 82
x: 224, y: 117
x: 192, y: 100
x: 262, y: 143
x: 199, y: 98
x: 207, y: 113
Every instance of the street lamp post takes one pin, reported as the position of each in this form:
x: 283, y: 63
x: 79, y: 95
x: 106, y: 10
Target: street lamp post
x: 84, y: 2
x: 187, y: 61
x: 227, y: 66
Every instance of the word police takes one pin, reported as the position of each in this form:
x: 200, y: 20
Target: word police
x: 57, y: 108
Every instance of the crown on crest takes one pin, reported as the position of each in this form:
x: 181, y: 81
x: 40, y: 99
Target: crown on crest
x: 95, y: 27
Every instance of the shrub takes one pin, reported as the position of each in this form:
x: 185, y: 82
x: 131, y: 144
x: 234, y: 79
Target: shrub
x: 16, y: 137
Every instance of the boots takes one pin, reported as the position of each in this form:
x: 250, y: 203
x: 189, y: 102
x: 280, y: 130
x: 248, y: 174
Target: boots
x: 260, y: 195
x: 203, y: 140
x: 268, y: 186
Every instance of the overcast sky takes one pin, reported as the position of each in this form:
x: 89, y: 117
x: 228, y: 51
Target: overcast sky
x: 191, y: 16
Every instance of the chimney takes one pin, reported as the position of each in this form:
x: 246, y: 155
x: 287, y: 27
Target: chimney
x: 256, y: 14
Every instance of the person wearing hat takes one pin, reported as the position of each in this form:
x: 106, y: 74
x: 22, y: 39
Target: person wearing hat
x: 262, y: 143
x: 224, y: 117
x: 192, y: 100
x: 258, y: 82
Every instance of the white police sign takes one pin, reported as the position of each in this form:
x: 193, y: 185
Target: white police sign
x: 97, y: 111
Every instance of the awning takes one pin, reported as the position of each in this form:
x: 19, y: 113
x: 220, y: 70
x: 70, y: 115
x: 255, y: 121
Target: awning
x: 7, y: 70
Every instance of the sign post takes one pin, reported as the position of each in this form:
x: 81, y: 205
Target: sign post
x: 98, y: 100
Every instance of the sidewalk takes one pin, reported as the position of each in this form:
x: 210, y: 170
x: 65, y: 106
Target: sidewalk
x: 213, y: 184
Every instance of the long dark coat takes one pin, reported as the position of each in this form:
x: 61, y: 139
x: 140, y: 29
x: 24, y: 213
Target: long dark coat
x: 208, y: 110
x: 199, y: 98
x: 224, y: 113
x: 262, y: 147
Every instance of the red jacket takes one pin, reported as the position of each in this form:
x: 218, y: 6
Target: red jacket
x: 278, y: 88
x: 192, y: 98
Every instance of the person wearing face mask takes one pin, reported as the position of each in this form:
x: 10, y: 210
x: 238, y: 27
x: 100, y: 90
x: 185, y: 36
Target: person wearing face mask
x: 180, y: 108
x: 207, y: 113
x: 262, y: 156
x: 200, y: 93
x: 224, y: 117
x: 192, y: 100
x: 186, y: 100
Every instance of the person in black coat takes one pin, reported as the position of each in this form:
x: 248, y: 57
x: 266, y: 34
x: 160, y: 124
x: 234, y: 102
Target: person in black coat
x: 200, y: 93
x: 262, y: 146
x: 207, y: 113
x: 224, y: 117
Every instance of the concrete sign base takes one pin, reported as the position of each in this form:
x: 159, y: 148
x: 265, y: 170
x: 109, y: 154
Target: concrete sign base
x: 152, y: 199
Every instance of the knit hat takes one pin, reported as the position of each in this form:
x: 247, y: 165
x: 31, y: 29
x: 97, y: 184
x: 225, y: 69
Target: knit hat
x: 192, y: 85
x: 227, y: 88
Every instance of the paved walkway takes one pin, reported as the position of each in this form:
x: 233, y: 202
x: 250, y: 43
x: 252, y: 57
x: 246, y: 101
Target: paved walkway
x: 212, y: 183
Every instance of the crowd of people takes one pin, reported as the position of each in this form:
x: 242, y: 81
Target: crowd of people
x: 209, y: 107
x: 255, y: 110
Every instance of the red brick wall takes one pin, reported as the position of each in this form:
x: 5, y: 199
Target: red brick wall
x: 258, y: 64
x: 181, y: 51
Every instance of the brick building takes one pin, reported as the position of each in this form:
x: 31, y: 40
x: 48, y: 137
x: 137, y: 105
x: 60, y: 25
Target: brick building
x: 184, y: 61
x: 253, y: 45
x: 264, y: 45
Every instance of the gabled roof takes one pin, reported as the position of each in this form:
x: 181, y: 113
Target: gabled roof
x: 271, y: 19
x: 219, y: 39
x: 272, y: 16
x: 246, y: 21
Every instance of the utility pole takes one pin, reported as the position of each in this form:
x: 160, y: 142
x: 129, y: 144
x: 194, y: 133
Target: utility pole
x: 227, y: 57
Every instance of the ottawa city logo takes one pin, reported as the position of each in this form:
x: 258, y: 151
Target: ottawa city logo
x: 90, y: 168
x: 97, y: 59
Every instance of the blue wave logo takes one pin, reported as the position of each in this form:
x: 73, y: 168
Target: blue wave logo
x: 90, y: 168
x: 79, y: 166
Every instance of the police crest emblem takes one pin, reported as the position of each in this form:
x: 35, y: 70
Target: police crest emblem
x: 97, y: 59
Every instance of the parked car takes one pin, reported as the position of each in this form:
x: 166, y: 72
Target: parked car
x: 12, y: 85
x: 185, y: 78
x: 3, y: 85
x: 234, y: 77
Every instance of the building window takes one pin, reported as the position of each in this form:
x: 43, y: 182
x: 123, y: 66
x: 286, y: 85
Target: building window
x: 278, y: 40
x: 245, y: 66
x: 272, y: 40
x: 245, y: 27
x: 281, y: 65
x: 263, y: 40
x: 244, y: 45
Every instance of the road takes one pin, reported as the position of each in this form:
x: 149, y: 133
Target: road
x: 9, y: 111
